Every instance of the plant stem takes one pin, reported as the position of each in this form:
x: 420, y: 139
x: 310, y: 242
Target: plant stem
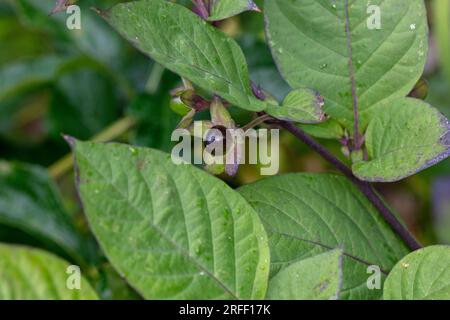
x: 365, y: 187
x: 202, y: 10
x: 115, y: 130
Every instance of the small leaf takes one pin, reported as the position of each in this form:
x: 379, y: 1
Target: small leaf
x: 223, y: 9
x: 188, y: 46
x: 32, y: 274
x: 403, y: 138
x: 421, y: 275
x: 308, y: 214
x: 315, y: 278
x: 301, y: 105
x: 29, y: 201
x: 95, y: 39
x: 441, y: 208
x: 173, y: 231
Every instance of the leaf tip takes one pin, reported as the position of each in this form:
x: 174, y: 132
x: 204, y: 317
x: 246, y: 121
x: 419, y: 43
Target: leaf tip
x: 71, y: 141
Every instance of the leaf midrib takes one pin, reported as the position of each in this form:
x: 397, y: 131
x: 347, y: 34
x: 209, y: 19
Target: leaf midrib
x: 158, y: 230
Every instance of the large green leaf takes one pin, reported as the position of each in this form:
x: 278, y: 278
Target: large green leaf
x: 32, y: 274
x: 178, y: 39
x: 396, y: 153
x: 30, y: 202
x: 173, y: 231
x: 307, y: 214
x: 328, y: 46
x: 315, y: 278
x: 421, y: 275
x: 222, y: 9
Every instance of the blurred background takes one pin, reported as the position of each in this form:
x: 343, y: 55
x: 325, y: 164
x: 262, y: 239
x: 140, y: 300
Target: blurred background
x: 92, y: 84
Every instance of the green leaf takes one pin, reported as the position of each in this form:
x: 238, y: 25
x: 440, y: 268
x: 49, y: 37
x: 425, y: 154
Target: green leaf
x: 308, y: 214
x: 182, y: 42
x: 328, y: 46
x: 302, y: 105
x: 77, y: 109
x: 402, y: 139
x: 173, y: 231
x: 421, y: 275
x: 32, y: 274
x: 315, y: 278
x: 222, y: 9
x: 30, y: 202
x: 330, y: 129
x: 28, y: 74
